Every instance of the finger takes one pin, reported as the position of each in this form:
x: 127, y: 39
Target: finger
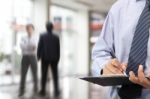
x: 148, y: 74
x: 116, y: 63
x: 133, y: 78
x: 148, y: 78
x: 106, y: 71
x: 149, y: 71
x: 141, y: 75
x: 143, y: 80
x: 116, y: 70
x: 124, y: 66
x: 110, y: 70
x: 113, y: 69
x: 145, y: 83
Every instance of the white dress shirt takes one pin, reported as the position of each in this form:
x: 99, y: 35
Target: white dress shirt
x: 116, y: 38
x: 28, y: 45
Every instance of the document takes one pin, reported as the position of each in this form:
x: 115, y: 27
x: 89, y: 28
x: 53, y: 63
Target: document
x: 109, y: 80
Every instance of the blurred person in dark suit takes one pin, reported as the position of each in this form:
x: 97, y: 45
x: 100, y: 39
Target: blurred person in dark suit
x: 28, y: 46
x: 49, y: 54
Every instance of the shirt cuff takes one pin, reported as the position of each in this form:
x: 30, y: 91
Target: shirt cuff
x: 97, y: 68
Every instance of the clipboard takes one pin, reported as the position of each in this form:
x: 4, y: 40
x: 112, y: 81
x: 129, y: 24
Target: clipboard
x: 109, y: 80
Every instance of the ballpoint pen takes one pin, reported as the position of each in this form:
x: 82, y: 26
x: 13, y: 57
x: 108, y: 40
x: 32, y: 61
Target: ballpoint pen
x: 124, y: 72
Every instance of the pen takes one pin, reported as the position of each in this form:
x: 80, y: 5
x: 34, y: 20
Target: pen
x: 124, y: 73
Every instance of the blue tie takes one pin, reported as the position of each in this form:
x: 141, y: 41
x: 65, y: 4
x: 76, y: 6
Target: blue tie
x: 138, y: 53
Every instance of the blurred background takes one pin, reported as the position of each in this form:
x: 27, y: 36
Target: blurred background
x: 78, y: 24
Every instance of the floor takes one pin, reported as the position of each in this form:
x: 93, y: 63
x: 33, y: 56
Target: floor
x: 71, y: 88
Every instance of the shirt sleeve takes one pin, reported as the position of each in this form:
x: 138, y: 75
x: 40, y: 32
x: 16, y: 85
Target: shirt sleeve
x: 104, y: 48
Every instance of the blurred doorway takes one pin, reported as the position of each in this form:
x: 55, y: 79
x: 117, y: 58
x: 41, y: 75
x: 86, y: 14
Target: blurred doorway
x: 73, y: 40
x: 63, y: 20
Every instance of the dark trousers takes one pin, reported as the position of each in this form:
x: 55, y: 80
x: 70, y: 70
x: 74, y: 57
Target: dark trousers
x: 54, y: 68
x: 28, y: 60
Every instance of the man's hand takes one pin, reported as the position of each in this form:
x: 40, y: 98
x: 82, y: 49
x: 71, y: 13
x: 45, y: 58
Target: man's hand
x: 140, y: 79
x: 114, y: 67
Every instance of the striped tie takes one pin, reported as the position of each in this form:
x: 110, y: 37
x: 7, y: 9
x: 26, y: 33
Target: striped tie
x: 138, y: 53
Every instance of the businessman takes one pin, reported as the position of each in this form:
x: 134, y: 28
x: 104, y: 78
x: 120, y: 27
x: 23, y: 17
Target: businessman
x: 49, y: 54
x: 28, y: 46
x: 124, y: 46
